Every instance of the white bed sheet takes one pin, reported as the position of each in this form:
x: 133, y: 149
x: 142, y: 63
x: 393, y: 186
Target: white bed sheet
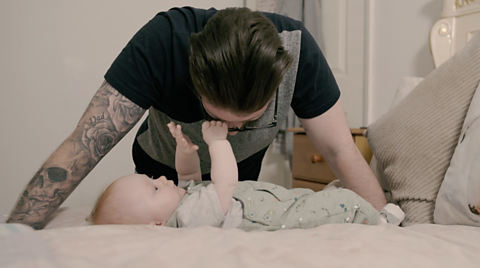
x: 336, y: 245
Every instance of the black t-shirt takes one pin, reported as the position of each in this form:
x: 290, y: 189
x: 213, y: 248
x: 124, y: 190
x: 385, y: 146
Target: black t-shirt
x: 153, y: 72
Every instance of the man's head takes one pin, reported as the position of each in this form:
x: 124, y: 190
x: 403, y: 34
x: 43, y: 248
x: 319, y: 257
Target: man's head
x: 237, y: 61
x: 137, y: 199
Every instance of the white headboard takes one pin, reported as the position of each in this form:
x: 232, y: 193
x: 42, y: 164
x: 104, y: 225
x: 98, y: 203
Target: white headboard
x: 459, y: 21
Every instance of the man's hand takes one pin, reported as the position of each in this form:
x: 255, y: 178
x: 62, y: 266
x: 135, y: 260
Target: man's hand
x: 214, y: 130
x: 184, y: 143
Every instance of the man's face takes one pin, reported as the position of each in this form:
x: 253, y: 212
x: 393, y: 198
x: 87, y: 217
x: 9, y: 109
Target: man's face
x: 232, y: 120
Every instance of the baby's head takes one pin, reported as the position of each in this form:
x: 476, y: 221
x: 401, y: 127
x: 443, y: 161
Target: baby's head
x: 137, y: 199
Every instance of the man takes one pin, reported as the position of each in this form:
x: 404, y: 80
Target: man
x: 190, y: 65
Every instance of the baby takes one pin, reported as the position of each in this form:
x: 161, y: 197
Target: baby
x: 224, y: 202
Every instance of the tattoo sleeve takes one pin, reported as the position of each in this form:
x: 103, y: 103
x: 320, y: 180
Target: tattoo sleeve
x: 105, y: 122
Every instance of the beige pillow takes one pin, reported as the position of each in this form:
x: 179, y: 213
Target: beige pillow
x: 406, y: 85
x: 414, y: 142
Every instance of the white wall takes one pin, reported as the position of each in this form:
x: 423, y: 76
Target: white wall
x: 53, y: 55
x: 398, y: 47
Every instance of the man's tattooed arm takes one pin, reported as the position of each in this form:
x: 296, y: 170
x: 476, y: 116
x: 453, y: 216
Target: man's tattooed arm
x: 107, y: 119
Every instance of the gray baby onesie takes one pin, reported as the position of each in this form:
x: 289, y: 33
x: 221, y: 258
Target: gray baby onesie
x: 266, y: 206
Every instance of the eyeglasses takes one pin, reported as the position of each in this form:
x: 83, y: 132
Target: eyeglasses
x: 207, y: 117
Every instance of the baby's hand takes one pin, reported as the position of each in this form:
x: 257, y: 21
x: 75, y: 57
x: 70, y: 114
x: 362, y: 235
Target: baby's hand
x: 183, y: 141
x: 214, y: 130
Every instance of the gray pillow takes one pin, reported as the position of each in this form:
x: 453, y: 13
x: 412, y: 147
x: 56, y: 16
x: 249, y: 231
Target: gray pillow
x: 458, y: 201
x: 414, y: 142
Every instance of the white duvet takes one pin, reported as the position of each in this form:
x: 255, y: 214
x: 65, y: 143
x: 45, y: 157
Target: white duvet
x: 336, y: 245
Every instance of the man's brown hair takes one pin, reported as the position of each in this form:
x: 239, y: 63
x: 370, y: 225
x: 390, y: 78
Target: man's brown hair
x: 237, y: 61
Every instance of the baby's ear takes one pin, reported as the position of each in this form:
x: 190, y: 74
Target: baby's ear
x: 157, y: 223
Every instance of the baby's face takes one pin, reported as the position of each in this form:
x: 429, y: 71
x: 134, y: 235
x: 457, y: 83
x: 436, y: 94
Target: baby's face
x: 153, y: 201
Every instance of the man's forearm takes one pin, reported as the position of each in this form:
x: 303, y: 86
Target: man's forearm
x: 107, y: 119
x: 331, y: 136
x: 356, y: 175
x: 51, y: 185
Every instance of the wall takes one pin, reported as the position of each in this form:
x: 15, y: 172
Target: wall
x: 53, y: 55
x: 398, y: 47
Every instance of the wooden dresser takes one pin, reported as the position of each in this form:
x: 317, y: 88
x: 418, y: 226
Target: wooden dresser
x: 309, y: 168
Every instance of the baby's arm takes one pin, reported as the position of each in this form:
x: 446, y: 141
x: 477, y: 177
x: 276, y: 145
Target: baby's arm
x: 224, y: 171
x: 187, y: 162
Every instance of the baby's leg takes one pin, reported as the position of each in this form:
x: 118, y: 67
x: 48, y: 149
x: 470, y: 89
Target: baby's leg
x: 391, y: 214
x: 331, y: 206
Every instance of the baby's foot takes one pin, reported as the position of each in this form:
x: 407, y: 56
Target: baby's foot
x: 392, y: 214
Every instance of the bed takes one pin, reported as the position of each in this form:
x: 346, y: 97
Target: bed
x: 427, y: 167
x: 336, y: 245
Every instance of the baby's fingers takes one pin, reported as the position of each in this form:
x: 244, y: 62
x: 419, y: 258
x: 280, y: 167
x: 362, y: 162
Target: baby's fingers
x: 188, y: 145
x: 178, y: 131
x: 171, y: 128
x: 205, y: 125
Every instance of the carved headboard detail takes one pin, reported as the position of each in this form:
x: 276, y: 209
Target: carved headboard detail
x: 459, y: 21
